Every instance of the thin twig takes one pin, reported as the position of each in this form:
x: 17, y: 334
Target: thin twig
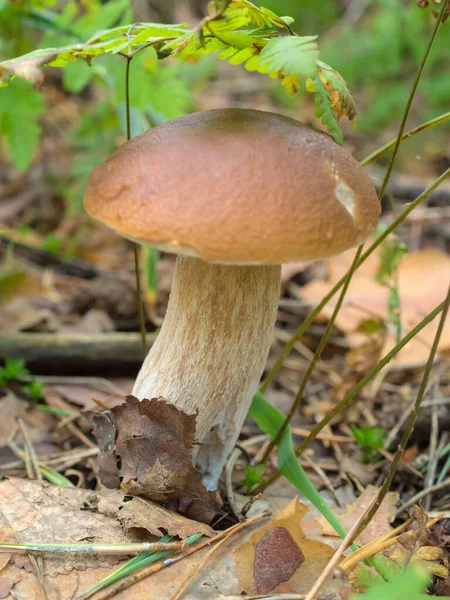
x: 337, y: 555
x: 230, y: 466
x: 412, y: 418
x: 127, y: 582
x: 93, y: 548
x: 431, y: 471
x: 316, y: 358
x: 353, y: 393
x: 409, y: 102
x: 196, y: 570
x: 405, y: 136
x: 137, y: 269
x: 415, y: 499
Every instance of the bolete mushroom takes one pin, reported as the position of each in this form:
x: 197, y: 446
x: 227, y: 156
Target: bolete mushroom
x: 234, y: 193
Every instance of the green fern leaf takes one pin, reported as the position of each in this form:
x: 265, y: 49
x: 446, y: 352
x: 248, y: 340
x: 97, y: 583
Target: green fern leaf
x: 291, y: 55
x: 324, y: 108
x: 346, y: 105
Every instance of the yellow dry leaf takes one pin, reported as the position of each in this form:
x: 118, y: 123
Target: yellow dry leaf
x: 316, y: 554
x: 423, y: 279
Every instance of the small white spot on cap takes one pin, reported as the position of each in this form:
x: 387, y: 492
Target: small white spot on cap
x: 345, y: 195
x: 342, y: 191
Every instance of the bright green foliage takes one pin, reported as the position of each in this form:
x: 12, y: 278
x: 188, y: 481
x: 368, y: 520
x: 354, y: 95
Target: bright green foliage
x: 55, y: 477
x: 324, y: 107
x: 379, y: 55
x: 20, y: 107
x: 270, y: 420
x: 35, y: 389
x: 370, y: 438
x: 238, y: 30
x: 13, y: 369
x: 253, y: 475
x: 410, y: 584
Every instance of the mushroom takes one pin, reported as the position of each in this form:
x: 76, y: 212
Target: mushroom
x: 234, y: 193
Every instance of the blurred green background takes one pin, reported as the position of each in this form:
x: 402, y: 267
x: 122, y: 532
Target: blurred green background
x: 77, y: 118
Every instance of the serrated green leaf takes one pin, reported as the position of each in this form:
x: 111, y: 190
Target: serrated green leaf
x: 291, y: 55
x: 324, y: 109
x: 338, y: 83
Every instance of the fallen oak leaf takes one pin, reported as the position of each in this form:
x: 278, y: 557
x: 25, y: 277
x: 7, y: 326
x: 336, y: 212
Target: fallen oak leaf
x: 153, y: 441
x: 316, y: 555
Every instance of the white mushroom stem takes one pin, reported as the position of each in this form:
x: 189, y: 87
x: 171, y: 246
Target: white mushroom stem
x: 211, y: 351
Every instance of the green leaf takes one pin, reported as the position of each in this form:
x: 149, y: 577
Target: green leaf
x: 337, y: 82
x: 253, y: 475
x: 410, y: 584
x: 324, y: 108
x: 270, y: 420
x: 291, y: 55
x: 13, y: 369
x: 77, y: 75
x: 55, y: 477
x: 102, y: 16
x: 35, y: 389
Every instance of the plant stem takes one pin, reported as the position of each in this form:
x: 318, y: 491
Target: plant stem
x: 318, y: 353
x: 301, y: 329
x: 412, y: 93
x: 137, y: 269
x: 410, y: 423
x: 125, y: 548
x: 353, y: 393
x: 423, y: 127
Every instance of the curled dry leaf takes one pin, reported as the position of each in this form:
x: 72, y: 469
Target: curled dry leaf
x: 368, y: 299
x: 32, y: 511
x: 153, y: 441
x: 259, y: 566
x: 142, y: 513
x: 379, y: 525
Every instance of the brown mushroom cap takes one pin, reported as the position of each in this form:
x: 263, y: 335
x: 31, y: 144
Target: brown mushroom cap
x: 235, y: 186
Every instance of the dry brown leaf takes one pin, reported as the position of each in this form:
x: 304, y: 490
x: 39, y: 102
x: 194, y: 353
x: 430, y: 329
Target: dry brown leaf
x: 6, y: 583
x: 145, y: 514
x: 153, y: 440
x: 32, y: 511
x: 423, y: 283
x: 379, y: 525
x: 316, y: 555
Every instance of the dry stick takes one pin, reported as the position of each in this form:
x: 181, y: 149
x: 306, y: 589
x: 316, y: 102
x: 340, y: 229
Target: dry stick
x: 353, y: 393
x: 196, y: 570
x: 405, y: 136
x: 316, y: 358
x: 411, y: 420
x: 337, y: 555
x: 127, y: 582
x: 93, y: 548
x: 422, y: 494
x: 379, y: 545
x: 301, y: 329
x: 434, y: 457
